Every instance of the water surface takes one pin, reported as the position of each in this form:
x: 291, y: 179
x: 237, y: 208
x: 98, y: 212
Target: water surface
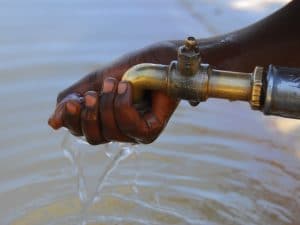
x: 218, y: 163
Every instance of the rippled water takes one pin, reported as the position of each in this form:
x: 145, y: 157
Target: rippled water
x: 218, y: 163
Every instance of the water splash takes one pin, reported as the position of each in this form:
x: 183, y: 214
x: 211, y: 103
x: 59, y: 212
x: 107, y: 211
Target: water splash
x: 78, y: 152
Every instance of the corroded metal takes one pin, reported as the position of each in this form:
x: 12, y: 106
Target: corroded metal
x: 189, y: 57
x: 205, y: 83
x: 178, y: 84
x: 188, y: 79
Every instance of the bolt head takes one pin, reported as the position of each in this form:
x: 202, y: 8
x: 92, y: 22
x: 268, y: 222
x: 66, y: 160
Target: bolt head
x: 191, y: 43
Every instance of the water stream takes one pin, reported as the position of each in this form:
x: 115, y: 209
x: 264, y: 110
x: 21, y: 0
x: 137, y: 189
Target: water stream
x: 216, y: 164
x: 76, y: 150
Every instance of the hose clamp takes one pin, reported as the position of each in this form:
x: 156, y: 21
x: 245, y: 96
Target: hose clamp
x: 255, y: 98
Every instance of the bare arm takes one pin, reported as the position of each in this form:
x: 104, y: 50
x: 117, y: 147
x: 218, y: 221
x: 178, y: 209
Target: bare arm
x: 99, y: 105
x: 273, y: 40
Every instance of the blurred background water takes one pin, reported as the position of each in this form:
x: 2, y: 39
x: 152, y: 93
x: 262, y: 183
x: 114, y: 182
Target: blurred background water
x: 218, y: 163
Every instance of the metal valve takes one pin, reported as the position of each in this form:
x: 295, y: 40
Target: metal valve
x: 275, y: 93
x: 189, y: 58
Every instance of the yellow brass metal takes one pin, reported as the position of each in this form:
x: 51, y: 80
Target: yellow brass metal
x: 189, y: 57
x: 188, y: 87
x: 146, y: 76
x: 206, y: 83
x: 257, y: 77
x: 229, y: 85
x: 187, y: 79
x: 190, y: 43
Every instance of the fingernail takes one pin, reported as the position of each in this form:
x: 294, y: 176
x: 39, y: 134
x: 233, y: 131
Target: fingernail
x: 54, y: 123
x: 122, y: 87
x: 108, y: 86
x: 71, y: 107
x: 90, y: 101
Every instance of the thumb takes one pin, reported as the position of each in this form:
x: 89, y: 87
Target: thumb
x: 145, y: 127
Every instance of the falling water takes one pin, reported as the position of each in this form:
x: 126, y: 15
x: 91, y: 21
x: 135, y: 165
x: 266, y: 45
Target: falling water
x: 218, y: 163
x: 76, y: 151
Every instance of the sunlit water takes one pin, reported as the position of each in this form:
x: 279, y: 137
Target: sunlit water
x: 218, y: 163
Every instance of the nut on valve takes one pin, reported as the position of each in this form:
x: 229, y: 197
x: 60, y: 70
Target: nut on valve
x: 189, y: 57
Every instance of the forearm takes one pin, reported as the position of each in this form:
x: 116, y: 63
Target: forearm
x: 273, y: 40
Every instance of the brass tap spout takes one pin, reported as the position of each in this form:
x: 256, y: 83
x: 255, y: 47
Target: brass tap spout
x: 207, y: 83
x: 146, y: 76
x: 187, y: 78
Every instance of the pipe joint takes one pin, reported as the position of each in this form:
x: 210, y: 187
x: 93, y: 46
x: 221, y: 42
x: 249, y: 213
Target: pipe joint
x: 187, y: 78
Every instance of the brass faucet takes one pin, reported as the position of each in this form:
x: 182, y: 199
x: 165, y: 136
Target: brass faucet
x: 189, y: 79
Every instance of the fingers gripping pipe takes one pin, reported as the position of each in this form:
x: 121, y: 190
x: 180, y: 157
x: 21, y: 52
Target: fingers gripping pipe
x: 188, y: 79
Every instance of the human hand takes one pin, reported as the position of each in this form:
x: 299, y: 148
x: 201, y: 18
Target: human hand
x: 99, y: 106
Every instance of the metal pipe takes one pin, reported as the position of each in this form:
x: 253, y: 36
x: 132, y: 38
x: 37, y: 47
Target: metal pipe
x: 146, y: 76
x: 205, y: 83
x: 282, y: 96
x: 274, y: 93
x: 229, y: 85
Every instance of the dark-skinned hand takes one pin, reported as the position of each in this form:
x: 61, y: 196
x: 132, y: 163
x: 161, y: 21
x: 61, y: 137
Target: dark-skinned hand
x: 99, y: 106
